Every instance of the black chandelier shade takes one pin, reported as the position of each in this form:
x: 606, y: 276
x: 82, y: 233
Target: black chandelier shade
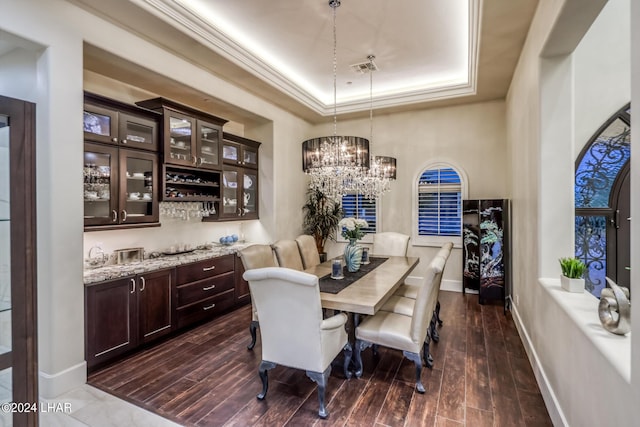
x: 335, y: 152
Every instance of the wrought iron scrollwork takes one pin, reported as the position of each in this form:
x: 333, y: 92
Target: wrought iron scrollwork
x: 599, y: 168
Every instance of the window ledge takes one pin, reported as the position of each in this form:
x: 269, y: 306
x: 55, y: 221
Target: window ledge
x: 583, y: 310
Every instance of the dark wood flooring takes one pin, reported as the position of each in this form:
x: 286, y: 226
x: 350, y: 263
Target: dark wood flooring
x: 207, y: 377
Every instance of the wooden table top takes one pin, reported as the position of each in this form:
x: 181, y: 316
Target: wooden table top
x: 367, y: 294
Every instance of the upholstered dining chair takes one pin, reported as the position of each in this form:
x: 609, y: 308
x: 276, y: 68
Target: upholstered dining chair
x: 390, y: 243
x: 308, y: 250
x: 405, y: 305
x: 294, y: 334
x: 256, y: 256
x: 287, y: 254
x: 401, y: 332
x: 411, y: 291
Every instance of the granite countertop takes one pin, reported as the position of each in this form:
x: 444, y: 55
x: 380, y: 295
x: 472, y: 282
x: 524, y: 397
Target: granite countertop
x: 109, y: 272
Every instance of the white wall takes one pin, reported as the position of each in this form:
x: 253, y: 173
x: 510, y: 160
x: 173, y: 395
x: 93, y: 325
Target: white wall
x: 554, y: 105
x: 471, y: 137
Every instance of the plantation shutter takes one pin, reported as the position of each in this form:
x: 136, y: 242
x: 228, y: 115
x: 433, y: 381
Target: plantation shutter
x: 439, y: 203
x: 357, y: 206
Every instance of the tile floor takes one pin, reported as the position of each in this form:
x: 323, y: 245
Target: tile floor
x: 92, y: 407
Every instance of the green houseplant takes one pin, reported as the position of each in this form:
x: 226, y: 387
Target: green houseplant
x: 321, y: 217
x: 572, y: 279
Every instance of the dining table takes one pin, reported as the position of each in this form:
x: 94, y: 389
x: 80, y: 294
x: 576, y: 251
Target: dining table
x: 368, y: 293
x: 361, y: 293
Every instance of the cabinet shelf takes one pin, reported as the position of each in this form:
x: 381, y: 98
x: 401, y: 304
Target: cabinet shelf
x: 192, y: 199
x: 193, y: 184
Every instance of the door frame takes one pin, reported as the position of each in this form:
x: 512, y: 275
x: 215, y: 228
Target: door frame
x: 22, y: 193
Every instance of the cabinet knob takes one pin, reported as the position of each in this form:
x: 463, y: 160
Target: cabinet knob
x: 195, y: 160
x: 114, y: 139
x: 124, y: 141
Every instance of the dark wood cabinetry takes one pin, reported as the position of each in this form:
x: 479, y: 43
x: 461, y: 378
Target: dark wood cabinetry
x: 125, y: 313
x: 120, y: 164
x: 205, y: 289
x: 190, y: 137
x: 111, y: 122
x: 240, y: 192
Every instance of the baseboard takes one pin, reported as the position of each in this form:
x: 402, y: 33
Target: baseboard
x: 553, y: 407
x: 51, y: 386
x: 445, y: 285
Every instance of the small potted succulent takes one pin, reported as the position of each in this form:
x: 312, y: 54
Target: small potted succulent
x: 572, y: 278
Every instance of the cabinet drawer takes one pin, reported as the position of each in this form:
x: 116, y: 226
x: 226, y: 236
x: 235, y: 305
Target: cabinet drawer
x: 203, y: 269
x: 206, y: 288
x: 205, y: 309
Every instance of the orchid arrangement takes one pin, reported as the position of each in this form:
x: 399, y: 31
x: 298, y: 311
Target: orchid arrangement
x: 352, y: 228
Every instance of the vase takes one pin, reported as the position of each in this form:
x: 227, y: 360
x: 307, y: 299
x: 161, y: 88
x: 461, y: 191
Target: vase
x: 572, y: 285
x: 352, y: 256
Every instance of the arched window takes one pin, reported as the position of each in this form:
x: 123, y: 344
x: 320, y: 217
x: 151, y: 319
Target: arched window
x: 602, y: 197
x: 439, y: 191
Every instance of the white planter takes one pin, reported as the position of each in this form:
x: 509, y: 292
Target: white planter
x: 572, y: 285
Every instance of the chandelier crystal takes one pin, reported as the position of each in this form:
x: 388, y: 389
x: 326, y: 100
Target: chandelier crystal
x: 382, y: 169
x: 336, y: 165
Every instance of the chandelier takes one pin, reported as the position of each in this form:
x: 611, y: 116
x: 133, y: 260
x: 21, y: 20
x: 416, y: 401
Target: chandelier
x: 382, y: 169
x: 336, y: 165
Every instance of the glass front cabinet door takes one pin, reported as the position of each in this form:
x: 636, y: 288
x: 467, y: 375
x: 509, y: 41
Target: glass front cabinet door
x: 120, y: 186
x: 250, y: 194
x: 239, y: 151
x: 231, y: 208
x: 179, y: 138
x: 239, y: 194
x: 208, y: 145
x: 139, y: 183
x: 100, y: 182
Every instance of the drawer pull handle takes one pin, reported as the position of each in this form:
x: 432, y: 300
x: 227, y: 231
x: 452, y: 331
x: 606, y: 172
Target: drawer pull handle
x: 209, y: 268
x: 144, y: 283
x: 133, y: 286
x: 209, y: 307
x: 208, y: 288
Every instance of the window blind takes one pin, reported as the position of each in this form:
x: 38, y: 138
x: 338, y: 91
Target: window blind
x: 439, y: 203
x: 357, y: 206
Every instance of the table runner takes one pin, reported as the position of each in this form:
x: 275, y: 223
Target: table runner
x: 333, y: 286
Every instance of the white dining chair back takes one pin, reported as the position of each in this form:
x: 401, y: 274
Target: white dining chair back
x: 390, y: 243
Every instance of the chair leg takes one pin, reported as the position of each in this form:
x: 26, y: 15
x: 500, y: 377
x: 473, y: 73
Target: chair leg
x: 417, y: 360
x: 252, y: 330
x: 348, y: 352
x: 434, y: 331
x: 360, y: 345
x: 321, y: 379
x: 428, y: 359
x: 438, y: 313
x: 262, y: 370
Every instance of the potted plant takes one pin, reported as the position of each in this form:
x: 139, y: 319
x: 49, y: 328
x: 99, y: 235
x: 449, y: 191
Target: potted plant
x: 321, y: 217
x: 572, y: 279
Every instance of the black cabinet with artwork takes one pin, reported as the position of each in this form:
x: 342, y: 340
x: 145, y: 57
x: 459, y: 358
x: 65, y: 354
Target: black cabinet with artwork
x: 486, y: 248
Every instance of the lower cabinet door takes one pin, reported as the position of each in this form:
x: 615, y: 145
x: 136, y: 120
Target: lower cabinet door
x: 111, y: 321
x: 154, y: 304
